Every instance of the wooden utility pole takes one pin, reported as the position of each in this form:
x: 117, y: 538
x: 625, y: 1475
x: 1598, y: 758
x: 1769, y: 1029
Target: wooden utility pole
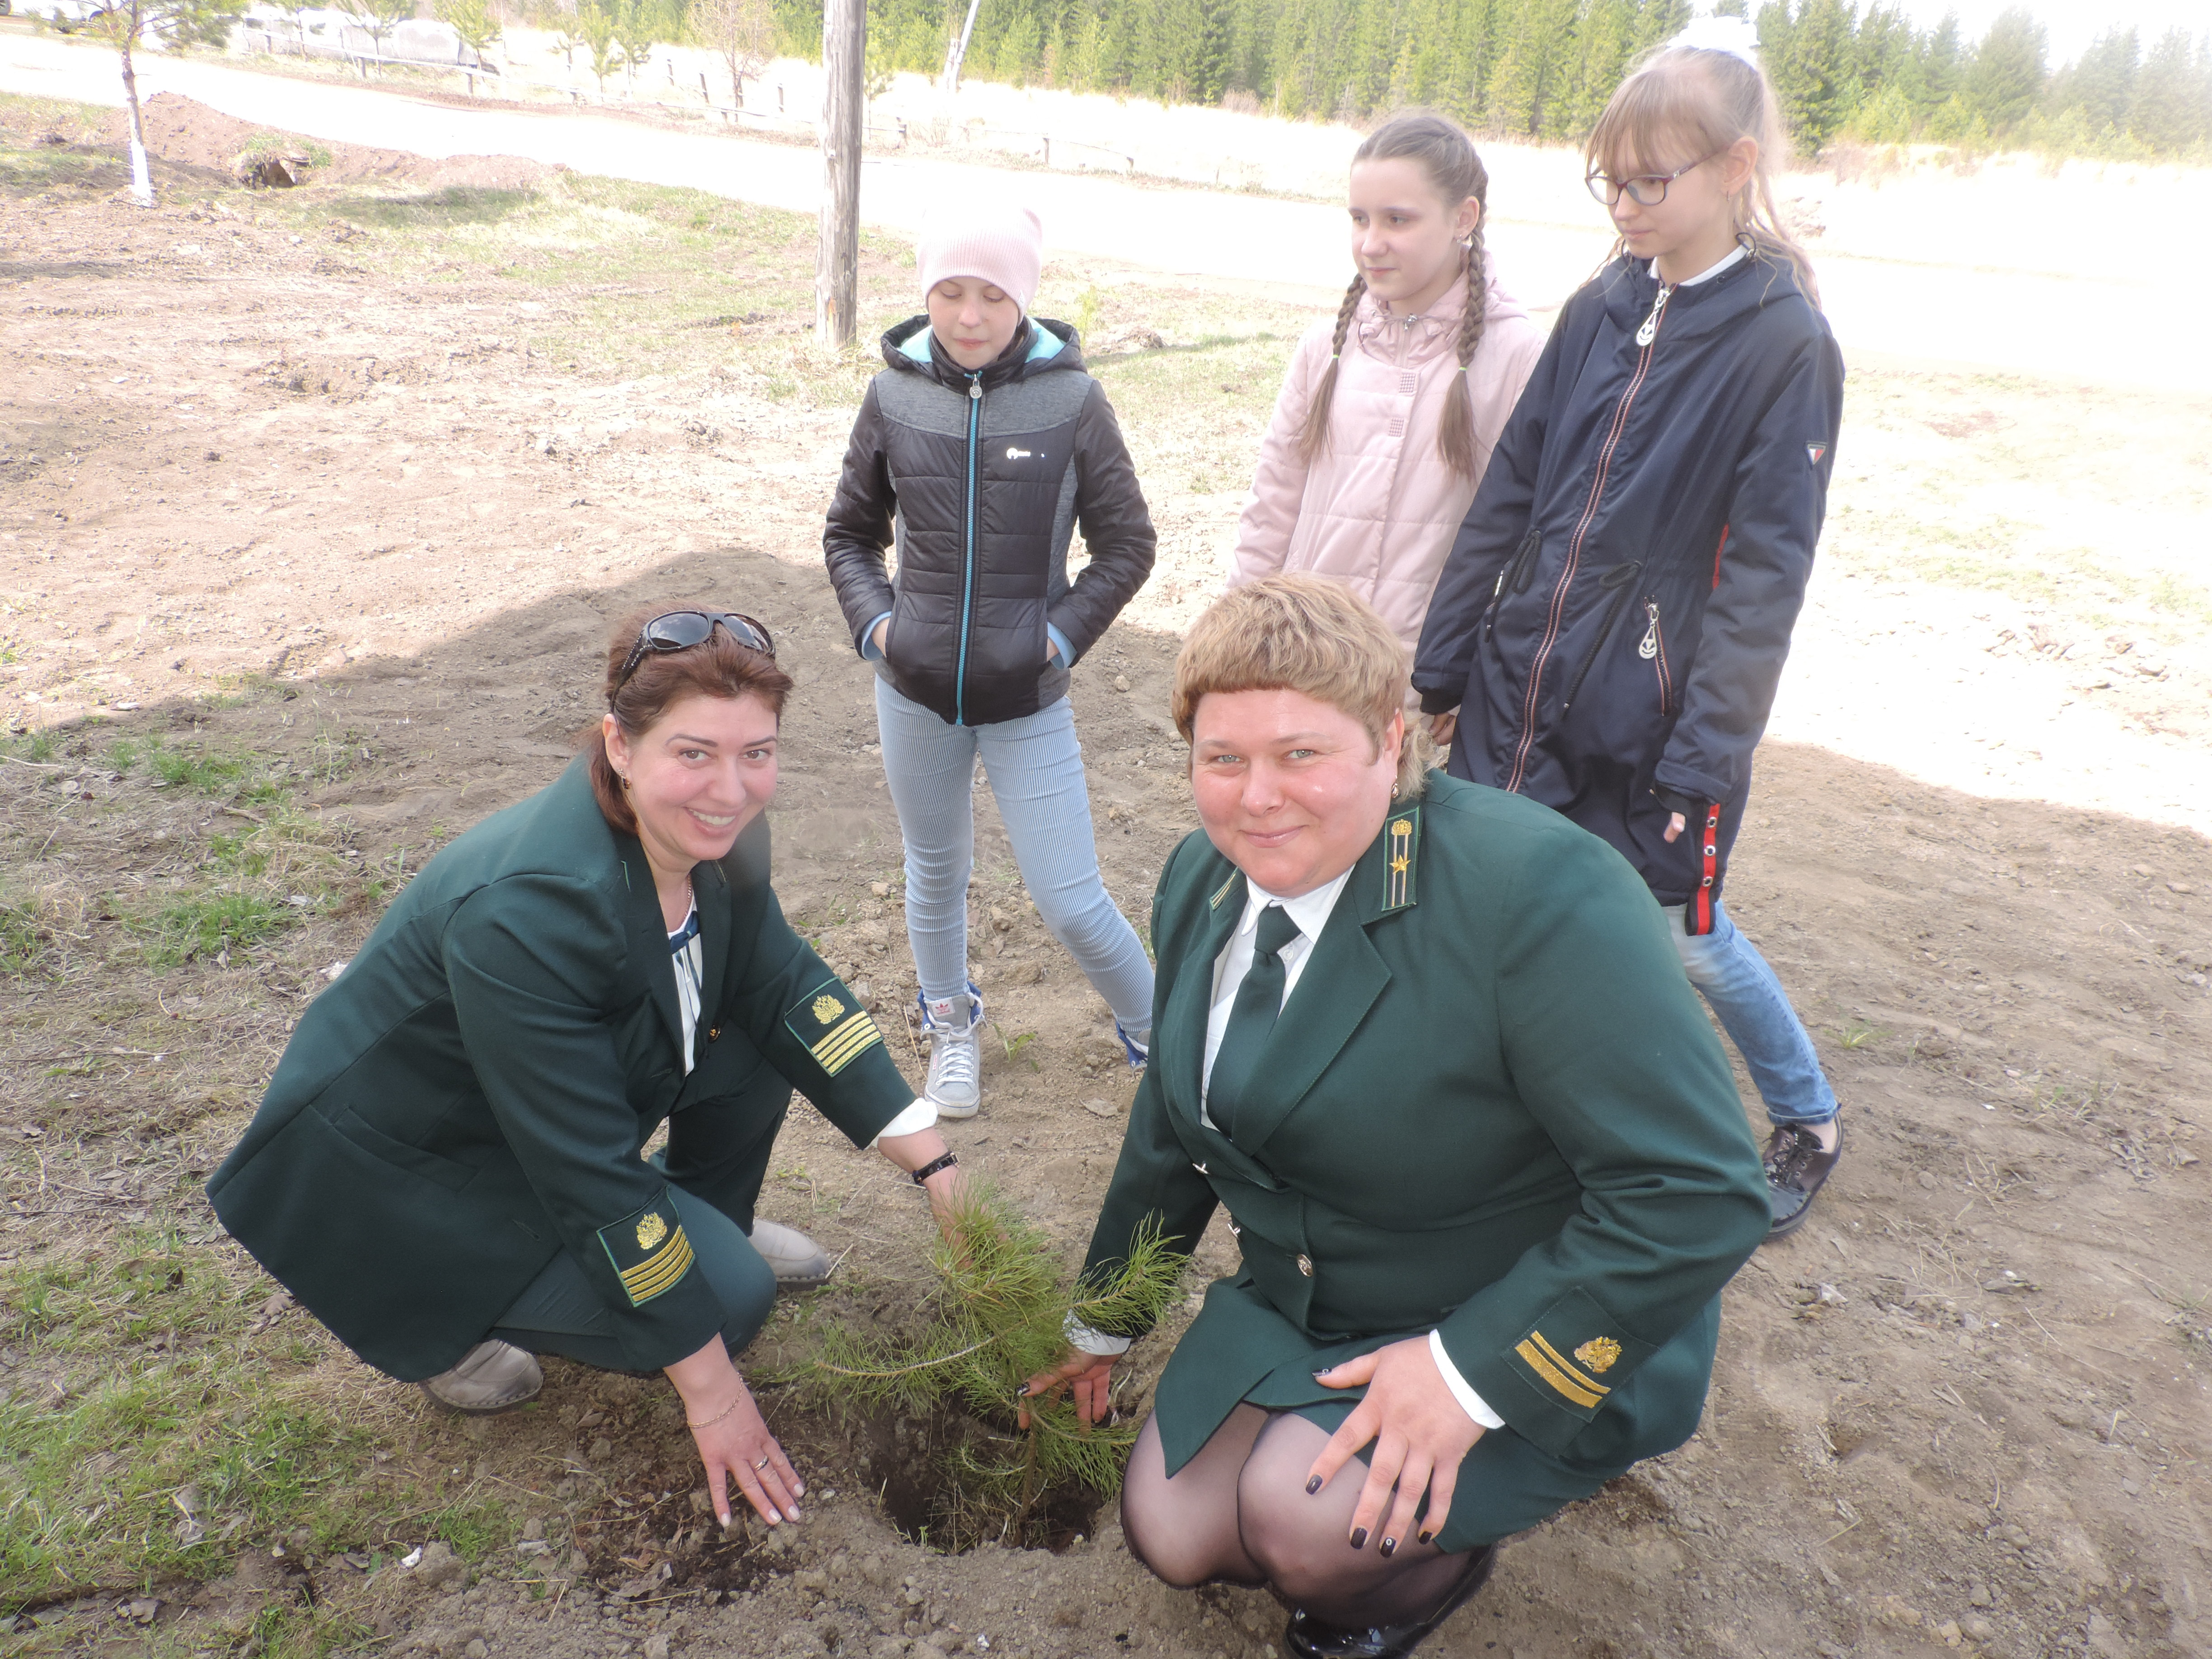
x: 837, y: 255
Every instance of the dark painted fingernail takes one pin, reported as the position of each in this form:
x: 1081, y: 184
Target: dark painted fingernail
x: 1424, y: 1538
x: 1359, y: 1538
x: 1387, y: 1548
x: 1312, y: 1486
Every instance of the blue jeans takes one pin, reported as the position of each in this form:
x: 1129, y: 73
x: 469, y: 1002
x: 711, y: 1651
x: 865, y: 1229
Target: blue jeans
x: 1035, y: 769
x: 1754, y: 1010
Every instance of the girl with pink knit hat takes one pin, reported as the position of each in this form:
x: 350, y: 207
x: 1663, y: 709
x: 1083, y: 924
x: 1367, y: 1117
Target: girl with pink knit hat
x: 978, y: 451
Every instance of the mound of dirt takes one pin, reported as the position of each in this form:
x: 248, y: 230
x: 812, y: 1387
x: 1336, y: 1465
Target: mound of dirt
x: 187, y: 133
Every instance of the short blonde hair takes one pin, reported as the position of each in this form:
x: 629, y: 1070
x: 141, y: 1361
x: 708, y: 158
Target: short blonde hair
x: 1309, y: 635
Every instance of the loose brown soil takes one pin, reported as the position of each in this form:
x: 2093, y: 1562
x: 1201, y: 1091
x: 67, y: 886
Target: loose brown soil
x: 285, y: 503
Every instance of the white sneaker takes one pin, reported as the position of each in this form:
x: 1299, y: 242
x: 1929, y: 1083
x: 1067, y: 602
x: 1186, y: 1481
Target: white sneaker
x: 956, y: 1054
x: 798, y: 1262
x: 492, y: 1377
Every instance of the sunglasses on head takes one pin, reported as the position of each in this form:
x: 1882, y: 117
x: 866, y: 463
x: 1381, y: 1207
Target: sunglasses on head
x: 679, y: 631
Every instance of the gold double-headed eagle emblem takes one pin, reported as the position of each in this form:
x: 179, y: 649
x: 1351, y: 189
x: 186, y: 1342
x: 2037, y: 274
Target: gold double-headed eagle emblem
x: 1599, y: 1353
x: 651, y: 1230
x: 827, y: 1008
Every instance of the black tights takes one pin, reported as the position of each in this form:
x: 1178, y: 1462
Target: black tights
x: 1238, y: 1512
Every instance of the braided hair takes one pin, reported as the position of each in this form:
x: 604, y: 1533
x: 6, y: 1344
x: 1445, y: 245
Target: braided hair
x: 1449, y: 157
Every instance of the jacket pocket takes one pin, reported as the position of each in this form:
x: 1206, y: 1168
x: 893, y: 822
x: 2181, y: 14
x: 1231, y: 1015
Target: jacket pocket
x: 444, y: 1171
x: 1615, y: 581
x: 1653, y: 649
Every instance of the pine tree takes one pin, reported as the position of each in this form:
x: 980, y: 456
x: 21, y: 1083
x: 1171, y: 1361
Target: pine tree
x: 2101, y: 82
x: 2169, y: 110
x: 2005, y: 81
x: 1815, y: 72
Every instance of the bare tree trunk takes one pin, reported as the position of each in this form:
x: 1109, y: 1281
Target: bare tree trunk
x: 949, y: 83
x: 142, y: 183
x: 836, y: 262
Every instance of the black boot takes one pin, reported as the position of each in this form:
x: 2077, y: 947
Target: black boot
x: 1312, y: 1638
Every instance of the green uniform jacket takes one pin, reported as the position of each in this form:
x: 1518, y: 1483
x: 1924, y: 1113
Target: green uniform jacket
x: 1492, y: 1107
x: 473, y: 1093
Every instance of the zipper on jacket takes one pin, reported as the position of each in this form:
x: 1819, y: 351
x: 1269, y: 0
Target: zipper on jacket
x: 968, y: 556
x: 1616, y: 580
x: 1653, y: 649
x: 1644, y: 338
x: 1518, y: 572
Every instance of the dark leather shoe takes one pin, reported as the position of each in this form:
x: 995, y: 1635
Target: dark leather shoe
x: 1795, y: 1168
x: 1312, y: 1638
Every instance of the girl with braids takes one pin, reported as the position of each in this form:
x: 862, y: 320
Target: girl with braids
x: 1613, y: 620
x: 1388, y: 415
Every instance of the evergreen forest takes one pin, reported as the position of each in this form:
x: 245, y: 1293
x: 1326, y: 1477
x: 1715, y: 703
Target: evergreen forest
x: 1543, y: 69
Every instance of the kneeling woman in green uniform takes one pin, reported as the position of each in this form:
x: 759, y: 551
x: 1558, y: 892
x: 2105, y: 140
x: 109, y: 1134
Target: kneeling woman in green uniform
x: 1430, y: 1048
x: 447, y: 1168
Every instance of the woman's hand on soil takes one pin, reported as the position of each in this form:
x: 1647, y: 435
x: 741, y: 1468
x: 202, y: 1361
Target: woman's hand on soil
x: 1420, y: 1434
x: 740, y: 1446
x: 1090, y: 1375
x: 733, y: 1440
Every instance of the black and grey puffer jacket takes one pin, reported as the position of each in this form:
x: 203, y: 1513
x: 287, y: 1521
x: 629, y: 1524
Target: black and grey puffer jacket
x: 984, y: 475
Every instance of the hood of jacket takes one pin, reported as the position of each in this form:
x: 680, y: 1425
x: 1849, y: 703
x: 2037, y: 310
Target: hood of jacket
x: 1039, y: 345
x: 1632, y: 286
x: 1436, y: 328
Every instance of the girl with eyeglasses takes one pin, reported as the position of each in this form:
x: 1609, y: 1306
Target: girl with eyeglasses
x: 447, y: 1169
x: 1611, y: 622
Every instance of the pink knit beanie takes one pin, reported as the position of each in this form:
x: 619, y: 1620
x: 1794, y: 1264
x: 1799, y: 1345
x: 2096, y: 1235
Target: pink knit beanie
x: 1003, y: 245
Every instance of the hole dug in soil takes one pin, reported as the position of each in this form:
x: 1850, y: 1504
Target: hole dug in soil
x: 952, y: 1482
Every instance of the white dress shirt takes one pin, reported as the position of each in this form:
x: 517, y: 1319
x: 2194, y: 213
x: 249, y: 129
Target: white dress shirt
x: 1311, y: 912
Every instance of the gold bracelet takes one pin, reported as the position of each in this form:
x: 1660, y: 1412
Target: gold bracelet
x: 737, y: 1402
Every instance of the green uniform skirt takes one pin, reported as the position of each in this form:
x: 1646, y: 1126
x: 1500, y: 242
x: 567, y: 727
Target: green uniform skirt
x: 1240, y: 1350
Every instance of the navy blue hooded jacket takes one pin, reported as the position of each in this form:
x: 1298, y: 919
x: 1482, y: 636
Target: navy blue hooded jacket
x: 1613, y: 617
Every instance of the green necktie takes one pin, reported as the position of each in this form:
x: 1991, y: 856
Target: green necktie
x: 1251, y: 1021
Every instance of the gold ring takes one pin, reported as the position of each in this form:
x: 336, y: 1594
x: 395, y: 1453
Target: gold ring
x: 758, y: 1467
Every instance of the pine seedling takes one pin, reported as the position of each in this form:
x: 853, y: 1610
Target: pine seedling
x: 999, y: 1316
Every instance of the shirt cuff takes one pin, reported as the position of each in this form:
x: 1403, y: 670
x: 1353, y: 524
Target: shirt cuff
x: 1083, y: 1339
x: 923, y: 1115
x: 1469, y: 1402
x: 1060, y: 644
x: 868, y: 639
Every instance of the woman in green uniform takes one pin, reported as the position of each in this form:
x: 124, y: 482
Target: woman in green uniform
x: 1430, y: 1048
x: 448, y: 1168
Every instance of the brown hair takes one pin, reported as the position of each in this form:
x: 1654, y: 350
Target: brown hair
x: 718, y: 668
x: 1449, y: 157
x: 1684, y: 102
x: 1306, y: 634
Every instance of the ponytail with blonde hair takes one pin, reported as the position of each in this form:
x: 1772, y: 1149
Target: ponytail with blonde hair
x: 1694, y: 97
x: 1448, y: 155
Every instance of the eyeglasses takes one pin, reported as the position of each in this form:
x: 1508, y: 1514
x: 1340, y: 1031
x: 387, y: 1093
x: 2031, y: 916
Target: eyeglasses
x: 679, y: 631
x: 1646, y: 189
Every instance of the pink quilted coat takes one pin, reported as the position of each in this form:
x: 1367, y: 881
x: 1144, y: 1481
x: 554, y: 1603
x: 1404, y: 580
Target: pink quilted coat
x: 1379, y: 506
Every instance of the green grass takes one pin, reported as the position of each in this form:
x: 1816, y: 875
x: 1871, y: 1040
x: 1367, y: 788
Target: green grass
x: 90, y: 1473
x: 24, y: 938
x: 207, y: 926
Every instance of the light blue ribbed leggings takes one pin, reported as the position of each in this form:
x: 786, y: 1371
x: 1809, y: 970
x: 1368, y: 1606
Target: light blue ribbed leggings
x: 1036, y: 769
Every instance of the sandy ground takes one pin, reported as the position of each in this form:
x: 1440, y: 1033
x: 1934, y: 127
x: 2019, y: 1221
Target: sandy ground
x: 2009, y: 274
x: 1964, y: 1410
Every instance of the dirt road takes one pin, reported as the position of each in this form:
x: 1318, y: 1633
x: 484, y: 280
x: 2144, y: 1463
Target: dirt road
x: 333, y: 483
x: 1929, y: 308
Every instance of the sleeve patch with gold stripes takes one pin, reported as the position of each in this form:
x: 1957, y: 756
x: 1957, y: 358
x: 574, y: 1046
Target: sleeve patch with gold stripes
x: 648, y: 1250
x: 832, y: 1025
x: 1569, y: 1381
